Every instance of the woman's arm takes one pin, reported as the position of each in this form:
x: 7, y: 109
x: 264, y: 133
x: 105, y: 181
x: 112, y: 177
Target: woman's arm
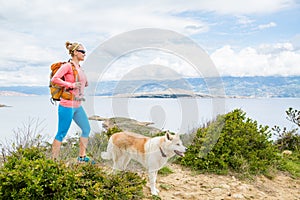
x: 62, y: 72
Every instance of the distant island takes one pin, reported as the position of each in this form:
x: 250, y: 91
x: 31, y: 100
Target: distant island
x: 172, y: 93
x: 234, y: 87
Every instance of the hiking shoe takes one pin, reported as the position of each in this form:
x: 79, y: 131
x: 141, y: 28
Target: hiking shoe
x: 85, y: 159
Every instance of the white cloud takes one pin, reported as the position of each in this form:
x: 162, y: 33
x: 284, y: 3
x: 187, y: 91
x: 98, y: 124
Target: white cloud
x: 244, y: 20
x: 232, y: 7
x: 25, y: 76
x: 296, y: 41
x: 265, y: 26
x: 275, y: 48
x: 22, y: 47
x: 237, y: 7
x: 252, y: 62
x: 146, y: 64
x: 33, y: 33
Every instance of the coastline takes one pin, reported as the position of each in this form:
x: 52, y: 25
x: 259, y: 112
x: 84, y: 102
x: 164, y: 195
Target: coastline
x: 171, y: 93
x: 229, y: 87
x: 13, y: 93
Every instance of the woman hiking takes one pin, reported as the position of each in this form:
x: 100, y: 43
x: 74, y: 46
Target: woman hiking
x: 71, y: 76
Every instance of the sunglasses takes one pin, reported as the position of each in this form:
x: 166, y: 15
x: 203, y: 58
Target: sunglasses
x: 81, y: 51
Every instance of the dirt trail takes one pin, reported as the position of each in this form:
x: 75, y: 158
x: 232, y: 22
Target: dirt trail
x: 185, y: 184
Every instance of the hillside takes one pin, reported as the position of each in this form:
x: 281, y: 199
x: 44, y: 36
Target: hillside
x: 185, y: 184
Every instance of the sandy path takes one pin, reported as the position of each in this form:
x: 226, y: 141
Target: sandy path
x: 184, y: 184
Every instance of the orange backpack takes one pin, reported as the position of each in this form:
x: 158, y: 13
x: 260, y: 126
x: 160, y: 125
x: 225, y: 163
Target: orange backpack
x: 57, y: 92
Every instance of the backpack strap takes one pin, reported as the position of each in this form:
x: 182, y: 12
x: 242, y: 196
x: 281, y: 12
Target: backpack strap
x: 75, y: 72
x: 76, y: 79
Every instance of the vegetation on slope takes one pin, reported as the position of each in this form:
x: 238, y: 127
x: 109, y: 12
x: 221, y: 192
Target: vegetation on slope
x: 231, y: 143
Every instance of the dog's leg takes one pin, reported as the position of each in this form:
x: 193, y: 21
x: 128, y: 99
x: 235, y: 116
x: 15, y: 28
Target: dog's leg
x: 116, y: 156
x: 122, y: 162
x: 126, y: 161
x: 120, y: 159
x: 107, y: 155
x: 152, y: 180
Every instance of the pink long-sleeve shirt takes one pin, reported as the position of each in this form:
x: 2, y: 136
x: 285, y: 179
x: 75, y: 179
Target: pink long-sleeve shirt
x: 66, y: 71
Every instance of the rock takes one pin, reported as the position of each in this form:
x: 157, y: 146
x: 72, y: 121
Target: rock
x: 237, y: 196
x: 218, y: 191
x: 1, y: 105
x: 287, y: 152
x: 225, y: 186
x: 243, y: 188
x: 127, y: 124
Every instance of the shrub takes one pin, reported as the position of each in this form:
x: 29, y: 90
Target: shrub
x: 111, y: 131
x: 289, y: 140
x: 293, y: 115
x: 231, y: 142
x: 291, y: 164
x: 28, y: 174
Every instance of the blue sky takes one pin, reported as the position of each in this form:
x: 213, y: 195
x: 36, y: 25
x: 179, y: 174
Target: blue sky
x: 243, y: 38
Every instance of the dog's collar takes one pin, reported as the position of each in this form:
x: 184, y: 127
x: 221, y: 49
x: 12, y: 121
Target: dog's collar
x: 162, y: 153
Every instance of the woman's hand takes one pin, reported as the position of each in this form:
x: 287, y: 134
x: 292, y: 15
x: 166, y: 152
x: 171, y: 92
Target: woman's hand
x: 76, y: 85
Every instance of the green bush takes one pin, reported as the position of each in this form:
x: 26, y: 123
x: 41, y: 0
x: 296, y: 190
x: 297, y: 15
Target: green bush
x: 28, y: 174
x: 232, y: 143
x: 291, y: 164
x: 111, y: 131
x: 289, y: 139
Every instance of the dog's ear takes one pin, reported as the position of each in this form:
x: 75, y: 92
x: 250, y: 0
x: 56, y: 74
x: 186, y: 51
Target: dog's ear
x: 168, y: 136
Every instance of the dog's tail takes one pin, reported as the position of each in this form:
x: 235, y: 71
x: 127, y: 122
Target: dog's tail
x: 106, y: 155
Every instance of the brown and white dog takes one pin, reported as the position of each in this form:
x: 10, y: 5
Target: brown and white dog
x: 152, y: 153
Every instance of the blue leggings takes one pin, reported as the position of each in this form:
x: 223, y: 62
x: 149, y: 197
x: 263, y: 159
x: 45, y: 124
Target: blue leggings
x: 65, y: 116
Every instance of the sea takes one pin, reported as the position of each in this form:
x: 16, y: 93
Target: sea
x: 37, y: 115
